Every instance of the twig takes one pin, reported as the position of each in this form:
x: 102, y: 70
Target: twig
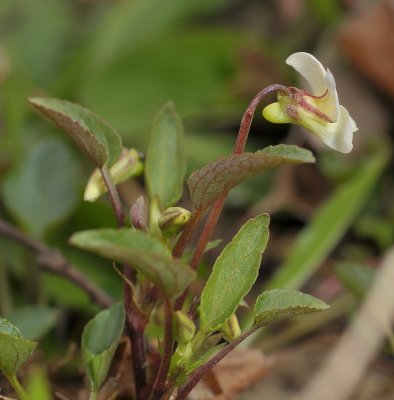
x: 53, y: 261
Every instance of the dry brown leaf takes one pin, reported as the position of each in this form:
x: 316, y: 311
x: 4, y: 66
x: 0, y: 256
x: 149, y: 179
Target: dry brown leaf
x: 236, y: 373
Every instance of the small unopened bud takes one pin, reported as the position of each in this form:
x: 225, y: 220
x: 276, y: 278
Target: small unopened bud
x: 173, y: 220
x: 137, y: 214
x: 184, y: 328
x: 231, y: 329
x: 128, y: 165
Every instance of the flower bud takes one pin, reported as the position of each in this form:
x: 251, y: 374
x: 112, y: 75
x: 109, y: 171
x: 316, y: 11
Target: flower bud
x: 128, y: 165
x: 184, y: 327
x: 173, y: 220
x: 231, y: 329
x: 137, y: 214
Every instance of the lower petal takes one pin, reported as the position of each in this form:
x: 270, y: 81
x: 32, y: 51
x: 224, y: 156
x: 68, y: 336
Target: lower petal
x: 337, y: 135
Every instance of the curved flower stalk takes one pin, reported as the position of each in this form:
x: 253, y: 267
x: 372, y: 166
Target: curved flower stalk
x: 318, y: 111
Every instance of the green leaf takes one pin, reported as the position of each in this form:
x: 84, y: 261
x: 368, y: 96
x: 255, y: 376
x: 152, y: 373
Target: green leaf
x: 14, y: 350
x: 91, y: 133
x: 233, y: 274
x: 356, y: 278
x: 123, y: 240
x: 100, y: 339
x: 165, y: 161
x: 45, y: 187
x: 277, y: 304
x: 34, y: 321
x: 141, y: 251
x: 8, y: 328
x: 328, y: 225
x: 207, y: 184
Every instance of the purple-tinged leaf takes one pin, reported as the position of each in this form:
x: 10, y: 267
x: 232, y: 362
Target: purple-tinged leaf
x: 92, y: 134
x: 207, y: 184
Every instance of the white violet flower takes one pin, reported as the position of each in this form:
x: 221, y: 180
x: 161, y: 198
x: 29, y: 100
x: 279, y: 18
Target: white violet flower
x: 319, y: 111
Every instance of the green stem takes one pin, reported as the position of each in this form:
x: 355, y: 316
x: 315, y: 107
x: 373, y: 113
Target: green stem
x: 93, y: 396
x: 20, y: 392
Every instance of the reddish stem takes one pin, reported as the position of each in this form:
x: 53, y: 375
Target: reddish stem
x: 203, y: 370
x: 248, y: 117
x: 160, y: 380
x: 114, y: 196
x: 135, y: 322
x: 202, y: 242
x: 208, y: 231
x: 213, y: 218
x: 239, y: 147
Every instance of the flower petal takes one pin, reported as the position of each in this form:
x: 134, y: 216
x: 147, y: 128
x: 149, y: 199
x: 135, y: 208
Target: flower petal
x: 321, y: 82
x: 332, y: 102
x: 337, y: 135
x: 311, y: 69
x: 274, y: 113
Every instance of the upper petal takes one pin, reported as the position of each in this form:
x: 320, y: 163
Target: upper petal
x: 322, y: 82
x: 311, y: 69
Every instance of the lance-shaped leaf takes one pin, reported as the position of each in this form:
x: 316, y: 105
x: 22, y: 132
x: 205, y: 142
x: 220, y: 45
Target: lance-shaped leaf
x: 278, y: 304
x: 141, y: 251
x: 100, y: 339
x: 207, y: 184
x: 233, y: 274
x: 165, y: 161
x: 92, y: 134
x: 14, y: 349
